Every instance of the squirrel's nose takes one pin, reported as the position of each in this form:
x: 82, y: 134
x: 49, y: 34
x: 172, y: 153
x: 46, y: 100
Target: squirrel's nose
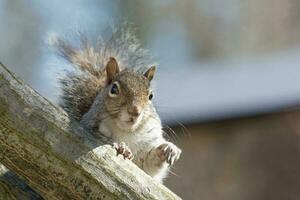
x: 134, y: 111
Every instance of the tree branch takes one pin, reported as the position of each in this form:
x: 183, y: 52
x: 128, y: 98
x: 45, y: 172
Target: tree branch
x: 57, y: 158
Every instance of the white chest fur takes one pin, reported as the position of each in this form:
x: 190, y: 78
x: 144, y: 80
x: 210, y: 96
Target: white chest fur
x: 147, y: 135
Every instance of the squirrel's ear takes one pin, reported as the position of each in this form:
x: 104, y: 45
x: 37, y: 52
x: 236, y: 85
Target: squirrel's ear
x: 112, y: 68
x: 149, y: 74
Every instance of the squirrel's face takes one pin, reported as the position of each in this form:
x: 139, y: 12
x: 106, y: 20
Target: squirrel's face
x: 128, y: 95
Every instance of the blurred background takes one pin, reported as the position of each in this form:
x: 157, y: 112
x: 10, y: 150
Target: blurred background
x: 228, y: 82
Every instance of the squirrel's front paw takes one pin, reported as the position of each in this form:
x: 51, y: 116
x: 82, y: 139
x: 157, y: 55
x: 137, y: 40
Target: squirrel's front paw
x: 123, y: 149
x: 168, y: 152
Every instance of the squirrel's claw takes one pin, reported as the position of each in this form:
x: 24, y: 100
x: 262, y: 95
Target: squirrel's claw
x: 123, y: 149
x: 168, y: 152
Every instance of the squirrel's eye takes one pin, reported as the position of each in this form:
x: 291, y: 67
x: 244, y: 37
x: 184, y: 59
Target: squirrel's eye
x: 114, y: 89
x: 150, y: 96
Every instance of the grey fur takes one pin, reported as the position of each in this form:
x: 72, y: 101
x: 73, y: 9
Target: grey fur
x: 89, y: 62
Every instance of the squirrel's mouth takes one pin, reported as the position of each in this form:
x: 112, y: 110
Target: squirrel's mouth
x: 131, y: 122
x: 127, y: 125
x: 127, y: 121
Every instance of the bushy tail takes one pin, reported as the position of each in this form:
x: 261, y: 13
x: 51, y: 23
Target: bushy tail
x: 80, y: 87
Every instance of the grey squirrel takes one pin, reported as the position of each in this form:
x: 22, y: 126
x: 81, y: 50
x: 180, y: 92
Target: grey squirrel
x: 110, y: 94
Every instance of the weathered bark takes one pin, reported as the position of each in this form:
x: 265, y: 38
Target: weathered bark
x: 12, y: 187
x: 57, y: 158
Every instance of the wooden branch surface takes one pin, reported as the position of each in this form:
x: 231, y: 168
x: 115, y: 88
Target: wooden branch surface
x: 57, y: 158
x: 13, y: 188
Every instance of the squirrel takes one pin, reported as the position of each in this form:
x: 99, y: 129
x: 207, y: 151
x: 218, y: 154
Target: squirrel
x: 109, y: 92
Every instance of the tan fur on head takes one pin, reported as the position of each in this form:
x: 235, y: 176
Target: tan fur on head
x: 133, y: 97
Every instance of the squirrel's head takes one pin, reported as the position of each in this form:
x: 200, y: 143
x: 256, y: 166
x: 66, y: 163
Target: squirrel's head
x: 127, y: 95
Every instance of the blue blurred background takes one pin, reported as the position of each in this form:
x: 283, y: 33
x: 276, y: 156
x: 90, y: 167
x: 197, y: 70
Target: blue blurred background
x: 228, y: 81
